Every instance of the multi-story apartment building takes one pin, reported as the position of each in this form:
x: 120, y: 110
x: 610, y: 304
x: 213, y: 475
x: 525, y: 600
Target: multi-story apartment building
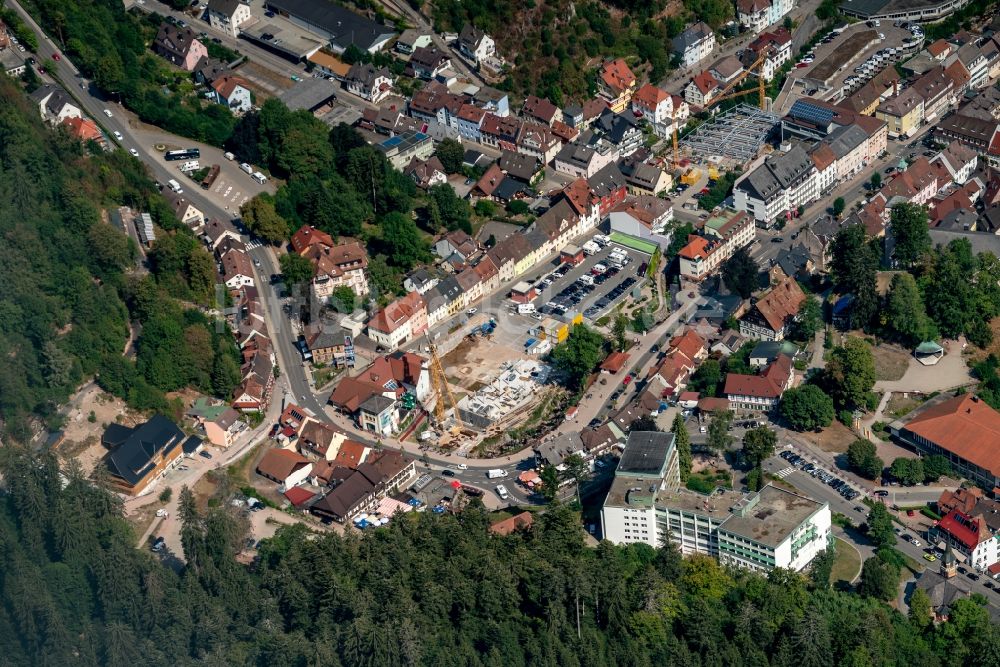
x: 723, y: 236
x: 694, y: 44
x: 779, y: 185
x: 759, y: 393
x: 615, y: 84
x: 656, y: 107
x: 755, y: 15
x: 903, y: 113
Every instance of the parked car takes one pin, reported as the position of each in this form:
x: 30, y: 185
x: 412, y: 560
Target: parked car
x: 205, y: 455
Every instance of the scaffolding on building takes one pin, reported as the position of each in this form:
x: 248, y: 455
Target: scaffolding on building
x: 735, y: 136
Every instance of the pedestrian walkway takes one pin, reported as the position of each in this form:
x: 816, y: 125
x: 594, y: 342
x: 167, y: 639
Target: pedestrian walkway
x: 785, y: 472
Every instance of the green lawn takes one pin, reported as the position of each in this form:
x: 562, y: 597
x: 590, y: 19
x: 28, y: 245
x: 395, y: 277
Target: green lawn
x: 847, y: 564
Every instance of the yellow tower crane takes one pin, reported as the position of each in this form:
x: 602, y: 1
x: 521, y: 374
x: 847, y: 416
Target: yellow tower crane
x: 728, y: 93
x: 443, y: 391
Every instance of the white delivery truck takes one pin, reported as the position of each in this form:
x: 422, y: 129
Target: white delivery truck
x: 494, y: 473
x: 525, y: 308
x: 191, y: 165
x: 502, y: 492
x: 259, y: 177
x: 590, y: 248
x: 175, y: 186
x: 246, y: 167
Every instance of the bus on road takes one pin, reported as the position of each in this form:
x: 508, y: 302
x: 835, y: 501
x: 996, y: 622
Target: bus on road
x: 186, y: 154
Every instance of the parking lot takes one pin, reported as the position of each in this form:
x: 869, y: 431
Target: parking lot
x: 796, y: 461
x: 841, y: 63
x: 589, y: 290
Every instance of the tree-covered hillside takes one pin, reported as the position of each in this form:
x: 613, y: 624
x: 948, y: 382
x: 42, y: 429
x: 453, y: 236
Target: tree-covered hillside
x: 68, y: 292
x: 555, y: 45
x: 432, y: 590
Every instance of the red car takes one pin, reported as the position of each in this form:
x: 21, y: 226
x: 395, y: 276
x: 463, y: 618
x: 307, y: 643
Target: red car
x: 909, y: 512
x: 55, y: 56
x: 628, y: 378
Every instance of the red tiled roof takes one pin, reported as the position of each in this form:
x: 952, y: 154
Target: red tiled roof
x: 705, y: 82
x: 280, y: 463
x: 713, y: 404
x: 83, y: 129
x: 770, y: 384
x: 970, y: 531
x: 299, y: 496
x: 614, y: 362
x: 397, y: 313
x: 617, y: 76
x: 579, y: 196
x: 308, y: 236
x: 516, y: 522
x: 964, y: 426
x: 351, y: 454
x: 781, y: 303
x: 939, y: 48
x: 697, y: 247
x: 823, y: 156
x: 961, y: 499
x: 649, y: 96
x: 226, y: 85
x: 689, y: 343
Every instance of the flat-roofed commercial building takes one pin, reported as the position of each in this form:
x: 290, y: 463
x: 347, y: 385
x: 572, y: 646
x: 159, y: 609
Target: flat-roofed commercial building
x: 760, y: 531
x: 774, y: 528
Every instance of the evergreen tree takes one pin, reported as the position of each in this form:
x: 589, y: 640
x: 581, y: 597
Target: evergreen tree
x: 682, y: 441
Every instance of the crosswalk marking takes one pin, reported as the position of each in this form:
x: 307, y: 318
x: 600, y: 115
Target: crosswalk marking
x: 253, y: 245
x: 785, y: 472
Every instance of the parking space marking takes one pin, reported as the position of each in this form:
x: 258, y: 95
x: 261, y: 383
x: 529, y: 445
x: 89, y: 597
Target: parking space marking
x: 785, y: 472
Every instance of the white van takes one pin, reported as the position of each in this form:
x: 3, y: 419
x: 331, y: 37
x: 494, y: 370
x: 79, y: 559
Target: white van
x: 259, y: 177
x: 502, y: 492
x: 599, y: 269
x: 246, y: 167
x: 525, y: 308
x: 175, y: 186
x: 192, y: 165
x: 590, y: 248
x: 586, y: 279
x: 229, y: 156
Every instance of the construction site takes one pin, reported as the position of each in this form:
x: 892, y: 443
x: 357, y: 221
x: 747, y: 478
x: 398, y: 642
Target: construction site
x: 734, y: 138
x: 515, y: 386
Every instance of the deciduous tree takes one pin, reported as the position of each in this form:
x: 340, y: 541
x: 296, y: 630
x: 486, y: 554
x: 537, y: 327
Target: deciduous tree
x: 451, y: 153
x: 296, y: 269
x: 261, y: 218
x: 807, y: 408
x: 904, y: 312
x: 910, y: 232
x: 718, y: 431
x: 759, y: 444
x: 863, y: 458
x: 682, y: 441
x: 740, y: 274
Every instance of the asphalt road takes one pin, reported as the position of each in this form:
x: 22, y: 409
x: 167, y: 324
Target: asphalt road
x: 816, y: 489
